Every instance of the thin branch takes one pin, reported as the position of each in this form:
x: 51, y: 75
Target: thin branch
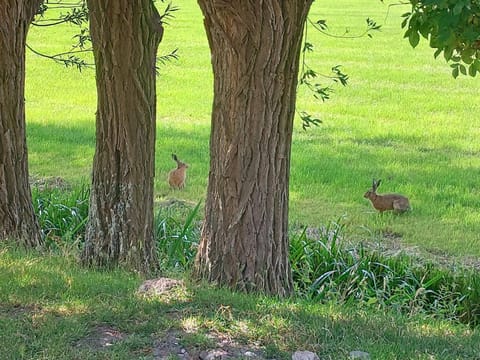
x: 338, y: 36
x: 67, y: 62
x: 400, y: 3
x: 36, y: 23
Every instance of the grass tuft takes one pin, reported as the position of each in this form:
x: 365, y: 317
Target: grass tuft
x: 177, y: 233
x: 62, y: 215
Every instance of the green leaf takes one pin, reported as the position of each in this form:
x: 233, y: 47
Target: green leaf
x: 472, y: 70
x: 448, y: 53
x: 322, y: 24
x: 414, y: 38
x: 455, y: 72
x: 458, y: 8
x: 467, y: 56
x: 437, y: 52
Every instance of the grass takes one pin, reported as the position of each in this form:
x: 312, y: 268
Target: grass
x: 50, y: 307
x: 402, y: 118
x: 323, y: 267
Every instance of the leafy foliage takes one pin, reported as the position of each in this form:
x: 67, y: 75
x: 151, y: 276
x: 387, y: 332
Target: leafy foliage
x: 62, y: 215
x: 309, y: 77
x: 324, y: 270
x: 56, y: 12
x: 177, y: 233
x: 71, y: 12
x: 452, y: 27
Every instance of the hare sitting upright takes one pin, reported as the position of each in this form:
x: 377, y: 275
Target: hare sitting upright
x: 176, y: 177
x: 396, y: 202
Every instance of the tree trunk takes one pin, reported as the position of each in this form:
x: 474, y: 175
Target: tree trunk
x: 125, y: 35
x: 255, y: 48
x: 17, y: 218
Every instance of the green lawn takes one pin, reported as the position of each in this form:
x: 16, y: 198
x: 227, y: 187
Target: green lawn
x: 402, y: 118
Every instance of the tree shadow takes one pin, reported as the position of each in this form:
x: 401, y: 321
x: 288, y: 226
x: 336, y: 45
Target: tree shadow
x: 64, y: 311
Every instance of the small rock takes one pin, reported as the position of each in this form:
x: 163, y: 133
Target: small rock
x: 213, y: 354
x: 304, y: 355
x: 158, y: 286
x: 359, y: 355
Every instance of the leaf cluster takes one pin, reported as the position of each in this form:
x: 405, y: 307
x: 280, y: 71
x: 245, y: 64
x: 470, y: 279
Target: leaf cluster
x: 309, y: 77
x: 177, y: 232
x: 452, y: 27
x: 62, y: 215
x: 75, y: 12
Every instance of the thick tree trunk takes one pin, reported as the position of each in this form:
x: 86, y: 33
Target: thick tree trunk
x: 17, y: 218
x: 255, y: 49
x: 126, y: 35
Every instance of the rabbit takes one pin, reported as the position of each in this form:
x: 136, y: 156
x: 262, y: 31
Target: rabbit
x: 395, y: 202
x: 176, y: 177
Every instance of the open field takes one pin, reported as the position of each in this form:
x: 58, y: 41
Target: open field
x: 402, y: 118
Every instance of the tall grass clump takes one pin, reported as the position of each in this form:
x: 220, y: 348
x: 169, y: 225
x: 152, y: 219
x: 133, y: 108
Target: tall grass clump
x: 62, y: 215
x: 326, y: 270
x: 177, y: 231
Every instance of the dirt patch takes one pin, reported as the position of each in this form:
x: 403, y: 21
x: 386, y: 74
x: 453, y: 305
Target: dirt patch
x: 169, y: 346
x: 392, y: 244
x: 101, y: 337
x: 17, y: 310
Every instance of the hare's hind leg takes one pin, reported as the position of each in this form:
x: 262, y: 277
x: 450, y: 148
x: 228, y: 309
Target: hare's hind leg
x: 400, y: 206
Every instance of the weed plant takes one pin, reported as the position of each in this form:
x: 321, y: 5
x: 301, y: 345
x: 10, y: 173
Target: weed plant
x: 62, y: 215
x: 326, y: 270
x: 177, y: 232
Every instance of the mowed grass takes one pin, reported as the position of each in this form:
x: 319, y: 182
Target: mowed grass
x: 402, y: 118
x: 50, y: 308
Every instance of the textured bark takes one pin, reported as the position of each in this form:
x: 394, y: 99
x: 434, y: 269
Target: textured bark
x: 255, y: 48
x: 126, y: 35
x: 17, y: 218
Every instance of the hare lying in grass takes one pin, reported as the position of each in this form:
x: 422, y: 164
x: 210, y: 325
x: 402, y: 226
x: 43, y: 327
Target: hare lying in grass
x: 176, y: 177
x: 395, y: 202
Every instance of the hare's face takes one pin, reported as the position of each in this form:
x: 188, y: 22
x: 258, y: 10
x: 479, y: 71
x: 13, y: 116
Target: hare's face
x: 369, y: 194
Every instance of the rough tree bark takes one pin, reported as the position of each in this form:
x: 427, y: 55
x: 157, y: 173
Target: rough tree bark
x: 125, y: 36
x: 17, y: 218
x: 255, y: 48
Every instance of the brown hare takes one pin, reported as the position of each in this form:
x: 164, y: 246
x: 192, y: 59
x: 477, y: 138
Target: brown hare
x: 395, y: 202
x: 176, y: 177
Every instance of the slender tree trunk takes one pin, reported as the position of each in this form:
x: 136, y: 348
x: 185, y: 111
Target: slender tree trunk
x: 17, y: 218
x: 125, y: 35
x: 255, y: 49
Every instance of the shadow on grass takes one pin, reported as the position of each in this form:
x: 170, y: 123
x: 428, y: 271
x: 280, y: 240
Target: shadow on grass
x: 52, y: 308
x: 67, y: 151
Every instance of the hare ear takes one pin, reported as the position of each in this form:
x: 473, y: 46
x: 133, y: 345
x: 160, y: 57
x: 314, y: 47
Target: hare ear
x: 378, y: 182
x: 174, y: 157
x: 374, y: 184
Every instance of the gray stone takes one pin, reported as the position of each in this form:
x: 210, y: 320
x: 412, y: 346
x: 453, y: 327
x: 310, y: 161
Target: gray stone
x: 158, y: 286
x: 216, y: 354
x: 304, y: 355
x: 359, y: 355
